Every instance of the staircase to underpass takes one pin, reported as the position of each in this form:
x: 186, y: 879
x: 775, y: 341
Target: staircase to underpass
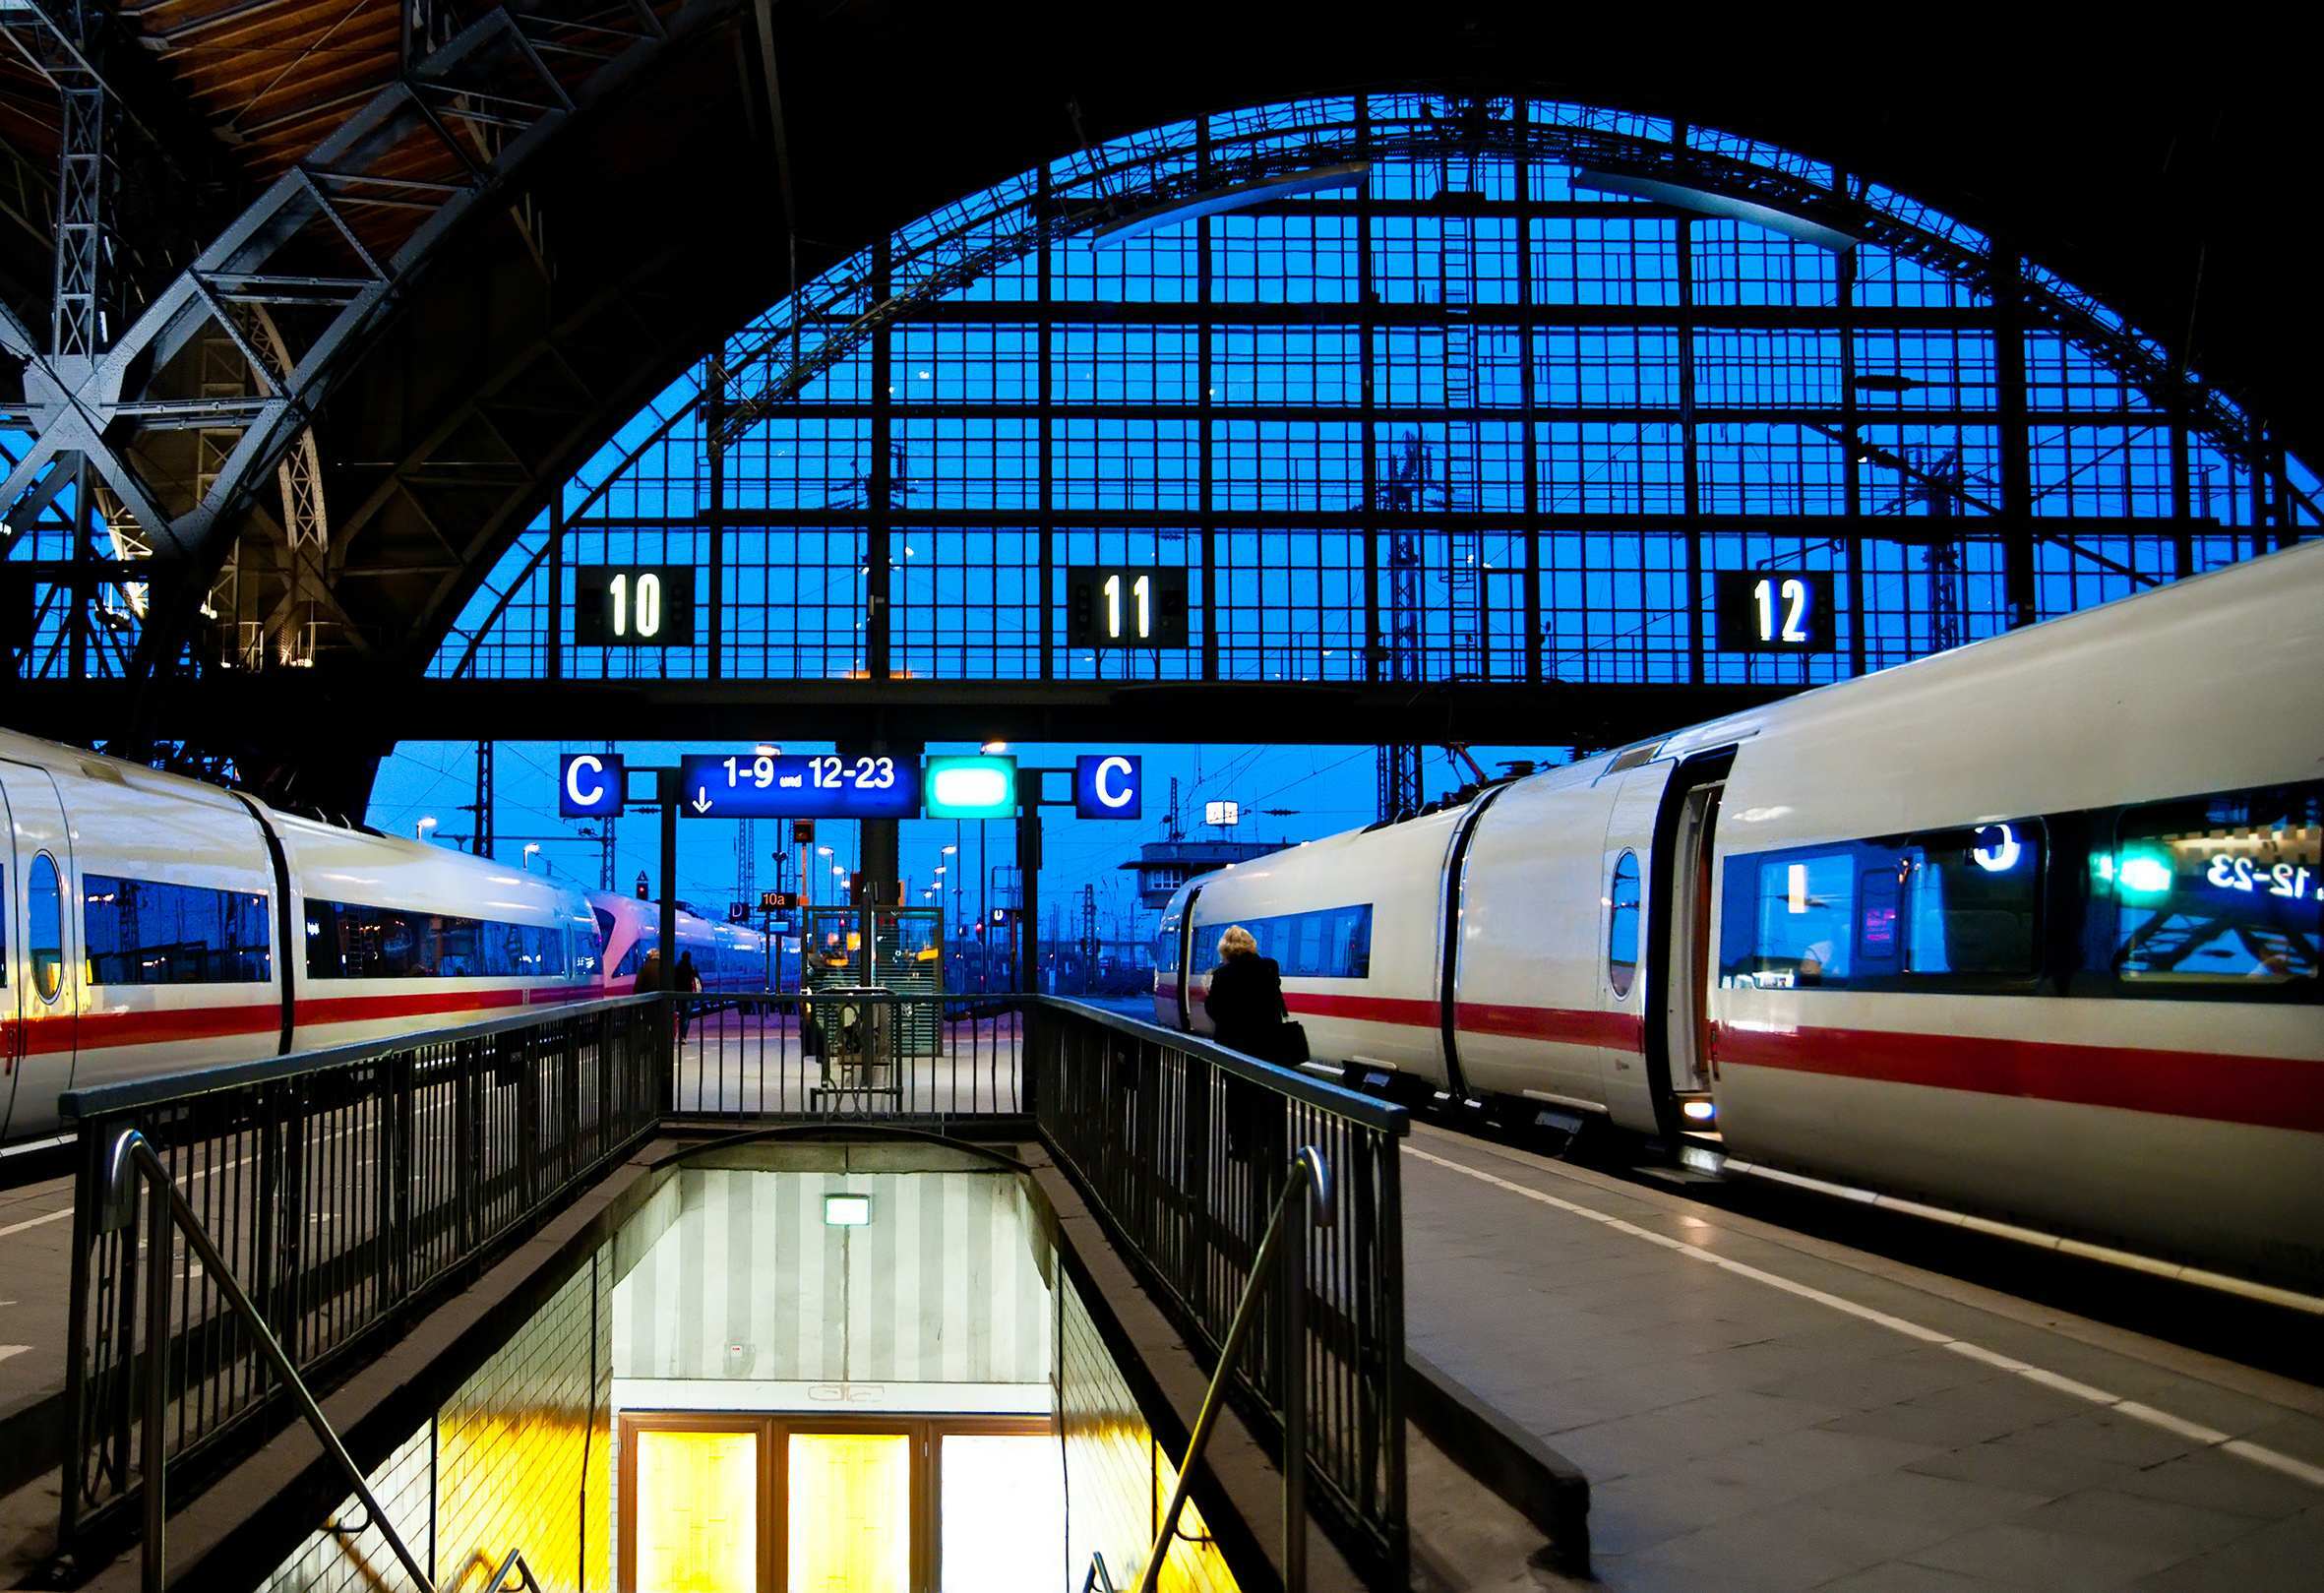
x: 395, y: 1217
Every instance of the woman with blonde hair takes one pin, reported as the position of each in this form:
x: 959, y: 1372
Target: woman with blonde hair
x: 1246, y: 995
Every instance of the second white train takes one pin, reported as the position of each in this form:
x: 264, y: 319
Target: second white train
x: 2027, y: 931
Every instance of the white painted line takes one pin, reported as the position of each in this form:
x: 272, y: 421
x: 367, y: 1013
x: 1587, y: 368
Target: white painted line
x: 2195, y: 1432
x: 35, y: 1222
x: 7, y: 1350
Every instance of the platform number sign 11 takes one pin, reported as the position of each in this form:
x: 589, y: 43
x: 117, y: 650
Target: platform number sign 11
x: 1126, y: 606
x: 633, y: 605
x: 1774, y: 611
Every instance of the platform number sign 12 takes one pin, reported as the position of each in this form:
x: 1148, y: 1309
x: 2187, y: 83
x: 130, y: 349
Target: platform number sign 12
x: 633, y: 605
x: 1126, y: 606
x: 1775, y: 611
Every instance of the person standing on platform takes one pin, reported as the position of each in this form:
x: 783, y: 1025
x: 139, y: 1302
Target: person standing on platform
x: 1245, y: 1002
x: 690, y: 983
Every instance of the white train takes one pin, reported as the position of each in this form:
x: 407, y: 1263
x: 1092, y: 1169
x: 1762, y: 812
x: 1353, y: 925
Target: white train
x: 147, y: 918
x: 2024, y: 935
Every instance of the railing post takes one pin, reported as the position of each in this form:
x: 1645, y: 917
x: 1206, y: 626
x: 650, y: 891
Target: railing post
x: 1293, y: 1316
x: 154, y: 1458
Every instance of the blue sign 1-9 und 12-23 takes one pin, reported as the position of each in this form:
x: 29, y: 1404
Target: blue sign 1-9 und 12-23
x: 821, y: 785
x: 797, y: 785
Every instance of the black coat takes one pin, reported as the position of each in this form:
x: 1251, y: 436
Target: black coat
x: 1246, y: 1004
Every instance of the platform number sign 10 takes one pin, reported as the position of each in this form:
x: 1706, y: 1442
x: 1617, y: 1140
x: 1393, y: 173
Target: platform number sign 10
x: 1126, y: 606
x: 1774, y: 611
x: 639, y: 605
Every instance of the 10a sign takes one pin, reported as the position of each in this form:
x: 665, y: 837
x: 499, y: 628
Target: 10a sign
x: 633, y: 605
x: 1126, y: 606
x: 1774, y: 611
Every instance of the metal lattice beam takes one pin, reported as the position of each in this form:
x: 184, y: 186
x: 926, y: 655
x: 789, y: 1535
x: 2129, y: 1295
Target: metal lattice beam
x: 476, y: 108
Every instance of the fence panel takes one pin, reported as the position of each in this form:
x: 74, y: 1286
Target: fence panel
x: 831, y: 1053
x: 1183, y: 1148
x: 340, y: 1185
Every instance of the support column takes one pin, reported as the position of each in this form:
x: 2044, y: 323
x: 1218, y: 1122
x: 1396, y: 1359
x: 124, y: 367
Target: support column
x: 2016, y: 520
x: 879, y: 485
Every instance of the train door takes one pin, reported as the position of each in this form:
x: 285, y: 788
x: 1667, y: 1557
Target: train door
x: 39, y: 958
x: 1186, y: 960
x: 1686, y: 993
x: 1631, y: 917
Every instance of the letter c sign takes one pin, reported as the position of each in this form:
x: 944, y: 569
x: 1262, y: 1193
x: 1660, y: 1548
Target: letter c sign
x: 1107, y: 786
x: 588, y: 785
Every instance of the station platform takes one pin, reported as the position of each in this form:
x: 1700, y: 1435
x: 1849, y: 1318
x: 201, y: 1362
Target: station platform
x: 1756, y: 1409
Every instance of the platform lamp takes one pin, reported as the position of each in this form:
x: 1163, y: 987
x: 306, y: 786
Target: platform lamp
x: 530, y: 847
x: 426, y: 823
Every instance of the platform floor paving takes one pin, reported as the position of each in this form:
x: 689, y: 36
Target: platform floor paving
x: 1761, y: 1410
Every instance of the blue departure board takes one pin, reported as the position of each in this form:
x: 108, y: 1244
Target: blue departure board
x: 797, y: 785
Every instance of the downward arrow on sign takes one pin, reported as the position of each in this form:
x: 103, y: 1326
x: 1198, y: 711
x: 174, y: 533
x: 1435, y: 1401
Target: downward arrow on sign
x: 701, y: 799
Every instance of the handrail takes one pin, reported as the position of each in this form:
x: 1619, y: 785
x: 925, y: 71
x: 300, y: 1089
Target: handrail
x: 1097, y: 1581
x: 131, y: 1154
x: 514, y: 1561
x: 1299, y: 1086
x: 1311, y: 1178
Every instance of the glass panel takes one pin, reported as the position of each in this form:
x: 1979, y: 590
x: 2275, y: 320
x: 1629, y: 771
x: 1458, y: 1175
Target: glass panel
x: 1621, y: 934
x: 2216, y: 890
x: 697, y: 1512
x: 44, y: 940
x: 1003, y: 1513
x: 1792, y: 920
x: 1971, y: 900
x: 137, y: 932
x: 850, y: 1512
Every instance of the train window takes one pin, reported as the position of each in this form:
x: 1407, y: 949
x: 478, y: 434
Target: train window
x: 1941, y: 909
x: 639, y: 949
x: 1332, y: 942
x: 5, y: 898
x: 1622, y: 925
x: 1790, y: 918
x: 355, y: 941
x: 140, y: 932
x: 2216, y: 895
x: 45, y: 928
x: 1971, y: 900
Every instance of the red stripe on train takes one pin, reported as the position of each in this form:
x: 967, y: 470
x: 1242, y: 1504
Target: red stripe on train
x: 2279, y: 1093
x: 1625, y: 1031
x: 91, y: 1032
x: 322, y: 1010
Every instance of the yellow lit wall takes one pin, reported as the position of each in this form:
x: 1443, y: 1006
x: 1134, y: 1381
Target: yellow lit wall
x: 516, y: 1458
x: 1117, y: 1482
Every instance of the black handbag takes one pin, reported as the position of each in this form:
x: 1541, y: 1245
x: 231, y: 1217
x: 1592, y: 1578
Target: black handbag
x: 1290, y: 1047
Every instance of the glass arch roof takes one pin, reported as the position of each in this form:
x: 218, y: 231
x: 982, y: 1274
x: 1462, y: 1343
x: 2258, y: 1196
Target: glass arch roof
x: 1436, y: 389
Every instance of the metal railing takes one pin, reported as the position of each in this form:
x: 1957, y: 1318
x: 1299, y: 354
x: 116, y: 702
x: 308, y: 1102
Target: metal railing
x: 1305, y: 1193
x: 1184, y: 1150
x: 849, y: 1053
x: 132, y: 1157
x: 341, y: 1187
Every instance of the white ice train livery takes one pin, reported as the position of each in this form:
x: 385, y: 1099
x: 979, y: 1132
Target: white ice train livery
x: 2024, y: 935
x: 142, y: 917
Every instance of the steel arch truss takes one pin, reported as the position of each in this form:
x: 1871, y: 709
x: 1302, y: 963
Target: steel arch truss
x: 216, y: 385
x: 1185, y: 169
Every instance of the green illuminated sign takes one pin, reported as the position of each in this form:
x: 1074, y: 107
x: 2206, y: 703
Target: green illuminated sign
x: 976, y: 787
